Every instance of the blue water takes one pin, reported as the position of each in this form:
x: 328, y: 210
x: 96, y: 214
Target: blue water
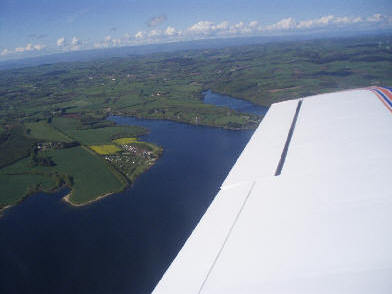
x: 233, y: 103
x: 125, y: 242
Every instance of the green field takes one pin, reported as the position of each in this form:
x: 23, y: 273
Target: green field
x: 45, y: 156
x: 95, y: 136
x: 124, y: 141
x: 101, y: 136
x: 44, y: 131
x: 15, y: 187
x: 21, y: 179
x: 169, y: 85
x: 88, y: 175
x: 50, y: 114
x: 14, y: 144
x: 91, y: 175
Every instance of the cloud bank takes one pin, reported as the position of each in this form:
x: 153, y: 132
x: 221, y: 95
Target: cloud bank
x: 205, y: 29
x: 208, y: 29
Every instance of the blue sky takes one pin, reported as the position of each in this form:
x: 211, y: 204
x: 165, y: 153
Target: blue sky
x: 37, y: 27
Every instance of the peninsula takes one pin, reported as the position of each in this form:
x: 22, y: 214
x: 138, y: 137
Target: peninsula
x: 54, y: 130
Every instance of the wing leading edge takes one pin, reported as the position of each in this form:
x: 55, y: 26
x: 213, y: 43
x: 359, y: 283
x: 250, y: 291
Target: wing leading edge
x: 320, y: 225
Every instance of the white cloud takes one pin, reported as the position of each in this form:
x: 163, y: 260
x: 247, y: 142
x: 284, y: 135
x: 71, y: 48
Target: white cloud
x: 99, y: 45
x: 202, y: 27
x: 116, y: 42
x: 154, y: 33
x: 75, y: 44
x: 319, y: 22
x: 331, y: 20
x: 326, y: 19
x: 253, y: 24
x: 139, y: 35
x: 375, y: 18
x: 39, y: 47
x: 109, y: 41
x: 208, y: 28
x: 239, y: 25
x: 29, y: 47
x: 60, y: 42
x: 224, y: 25
x: 75, y: 41
x: 240, y: 28
x: 5, y: 52
x: 170, y: 31
x: 305, y: 24
x: 342, y: 20
x: 151, y: 36
x: 284, y: 24
x: 379, y: 18
x: 357, y: 19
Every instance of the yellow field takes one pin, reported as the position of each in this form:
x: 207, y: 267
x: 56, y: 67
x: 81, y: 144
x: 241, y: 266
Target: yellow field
x: 124, y: 141
x: 105, y: 149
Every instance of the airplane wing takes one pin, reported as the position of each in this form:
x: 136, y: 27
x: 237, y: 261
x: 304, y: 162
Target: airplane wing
x: 306, y: 208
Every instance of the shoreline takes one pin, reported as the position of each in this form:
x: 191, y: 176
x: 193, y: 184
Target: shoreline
x: 120, y: 114
x: 4, y: 209
x: 66, y: 199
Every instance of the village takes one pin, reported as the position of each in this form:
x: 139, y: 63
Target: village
x: 134, y: 158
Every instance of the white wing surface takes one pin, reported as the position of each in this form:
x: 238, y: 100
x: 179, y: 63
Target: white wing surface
x: 307, y: 208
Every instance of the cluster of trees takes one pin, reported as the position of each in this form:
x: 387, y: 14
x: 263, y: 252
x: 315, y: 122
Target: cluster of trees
x: 41, y: 159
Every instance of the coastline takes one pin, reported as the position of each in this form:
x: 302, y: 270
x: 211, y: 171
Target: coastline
x: 29, y: 195
x: 66, y: 199
x: 127, y: 183
x: 4, y: 209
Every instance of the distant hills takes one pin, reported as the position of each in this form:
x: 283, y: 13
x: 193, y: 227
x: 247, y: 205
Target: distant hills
x: 87, y: 55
